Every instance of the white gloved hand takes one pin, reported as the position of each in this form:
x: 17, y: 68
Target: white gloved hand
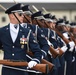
x: 49, y: 43
x: 75, y: 48
x: 42, y: 57
x: 64, y: 48
x: 65, y: 35
x: 32, y: 64
x: 71, y: 49
x: 73, y: 59
x: 49, y: 53
x: 72, y: 44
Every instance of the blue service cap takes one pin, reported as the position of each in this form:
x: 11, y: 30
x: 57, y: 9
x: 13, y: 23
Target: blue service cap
x: 37, y: 15
x: 48, y: 15
x: 50, y: 18
x: 26, y: 9
x: 73, y: 24
x: 53, y: 17
x: 60, y: 22
x: 14, y: 8
x: 67, y: 23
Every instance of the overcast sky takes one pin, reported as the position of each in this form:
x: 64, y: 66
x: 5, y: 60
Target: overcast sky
x: 43, y: 1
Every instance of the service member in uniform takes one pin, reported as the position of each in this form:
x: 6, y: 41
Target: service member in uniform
x: 38, y: 18
x: 39, y: 36
x: 73, y: 34
x: 13, y: 38
x: 59, y: 42
x: 64, y: 28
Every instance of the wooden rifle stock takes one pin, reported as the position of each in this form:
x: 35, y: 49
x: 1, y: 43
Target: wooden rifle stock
x: 60, y: 52
x: 54, y: 52
x: 64, y: 39
x: 39, y: 67
x: 43, y: 61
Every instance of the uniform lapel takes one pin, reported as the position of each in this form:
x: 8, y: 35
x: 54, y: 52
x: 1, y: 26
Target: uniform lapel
x: 8, y: 33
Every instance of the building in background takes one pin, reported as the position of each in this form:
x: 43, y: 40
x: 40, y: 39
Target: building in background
x: 61, y: 10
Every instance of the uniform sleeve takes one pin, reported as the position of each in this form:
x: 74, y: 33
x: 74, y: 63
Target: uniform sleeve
x: 59, y: 41
x: 35, y: 48
x: 0, y: 40
x: 42, y: 42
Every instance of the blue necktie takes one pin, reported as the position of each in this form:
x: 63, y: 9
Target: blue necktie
x: 24, y: 26
x: 15, y: 26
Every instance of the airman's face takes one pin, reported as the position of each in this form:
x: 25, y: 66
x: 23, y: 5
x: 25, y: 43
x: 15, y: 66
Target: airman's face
x: 27, y: 18
x: 41, y: 22
x: 38, y: 22
x: 66, y: 28
x: 19, y: 16
x: 16, y: 18
x: 52, y: 25
x: 74, y: 31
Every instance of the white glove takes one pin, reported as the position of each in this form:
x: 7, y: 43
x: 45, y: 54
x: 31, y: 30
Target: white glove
x: 49, y: 43
x: 73, y: 59
x: 32, y: 64
x: 71, y: 49
x: 42, y: 57
x: 49, y: 53
x: 75, y: 48
x: 65, y: 35
x: 72, y: 44
x: 64, y: 48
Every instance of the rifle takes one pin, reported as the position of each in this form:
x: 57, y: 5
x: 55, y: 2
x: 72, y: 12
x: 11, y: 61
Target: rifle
x: 64, y: 39
x: 40, y: 67
x: 72, y: 35
x: 53, y: 52
x: 60, y: 52
x: 43, y: 61
x: 57, y: 31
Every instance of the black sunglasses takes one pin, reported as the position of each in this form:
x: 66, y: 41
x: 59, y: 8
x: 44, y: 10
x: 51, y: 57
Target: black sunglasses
x: 20, y: 14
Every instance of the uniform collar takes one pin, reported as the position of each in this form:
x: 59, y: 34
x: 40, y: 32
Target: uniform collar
x: 13, y: 28
x: 24, y: 25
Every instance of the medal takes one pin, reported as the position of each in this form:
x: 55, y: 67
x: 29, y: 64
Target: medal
x: 22, y: 46
x: 23, y: 41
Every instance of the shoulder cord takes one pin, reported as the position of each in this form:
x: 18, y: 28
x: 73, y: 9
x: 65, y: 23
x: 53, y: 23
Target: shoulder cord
x: 48, y: 33
x: 28, y: 40
x: 36, y: 31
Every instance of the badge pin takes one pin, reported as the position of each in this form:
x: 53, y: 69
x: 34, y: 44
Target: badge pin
x: 22, y: 46
x: 23, y: 40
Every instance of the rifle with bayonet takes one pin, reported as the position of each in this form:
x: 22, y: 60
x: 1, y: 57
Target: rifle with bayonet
x: 43, y: 61
x: 44, y: 68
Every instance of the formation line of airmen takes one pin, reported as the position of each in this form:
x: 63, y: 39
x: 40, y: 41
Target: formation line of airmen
x: 38, y: 33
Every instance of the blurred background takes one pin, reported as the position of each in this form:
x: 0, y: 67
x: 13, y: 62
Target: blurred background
x: 60, y: 9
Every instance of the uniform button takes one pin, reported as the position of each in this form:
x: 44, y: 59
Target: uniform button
x: 13, y: 46
x: 13, y: 54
